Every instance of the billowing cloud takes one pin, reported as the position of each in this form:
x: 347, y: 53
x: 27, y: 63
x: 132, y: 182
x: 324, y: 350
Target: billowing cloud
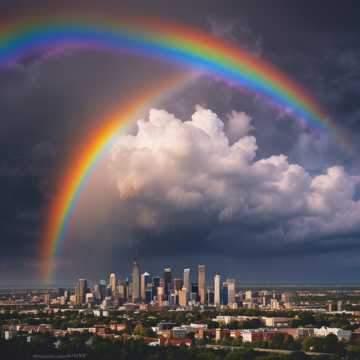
x: 180, y: 173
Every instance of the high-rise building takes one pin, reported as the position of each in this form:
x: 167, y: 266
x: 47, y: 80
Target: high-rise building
x: 112, y: 283
x: 80, y: 290
x: 156, y: 281
x: 148, y: 294
x: 231, y: 290
x: 47, y: 298
x: 124, y: 290
x: 217, y: 290
x: 145, y: 279
x: 183, y: 297
x: 135, y: 282
x: 177, y: 284
x: 194, y: 294
x: 155, y: 285
x: 186, y: 282
x: 89, y: 298
x: 98, y: 295
x: 202, y: 283
x: 248, y: 295
x: 286, y: 297
x: 160, y: 295
x: 224, y: 293
x: 209, y: 296
x: 173, y: 299
x: 167, y: 281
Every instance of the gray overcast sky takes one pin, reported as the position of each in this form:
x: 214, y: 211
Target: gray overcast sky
x: 288, y: 209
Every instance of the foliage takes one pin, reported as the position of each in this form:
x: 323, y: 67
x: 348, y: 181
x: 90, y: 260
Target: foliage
x: 95, y: 348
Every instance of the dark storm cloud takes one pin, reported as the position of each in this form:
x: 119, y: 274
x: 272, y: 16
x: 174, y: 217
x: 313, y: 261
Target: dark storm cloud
x: 47, y: 103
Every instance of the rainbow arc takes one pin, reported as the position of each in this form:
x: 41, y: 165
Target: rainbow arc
x: 187, y: 47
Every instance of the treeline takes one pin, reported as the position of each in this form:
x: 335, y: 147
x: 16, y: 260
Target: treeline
x: 95, y: 348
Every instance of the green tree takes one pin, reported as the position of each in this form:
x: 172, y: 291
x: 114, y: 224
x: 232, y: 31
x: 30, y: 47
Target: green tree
x: 277, y: 341
x: 313, y: 343
x: 333, y: 345
x: 297, y: 355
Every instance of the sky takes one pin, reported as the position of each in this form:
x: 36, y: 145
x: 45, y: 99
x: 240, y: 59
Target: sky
x: 210, y: 174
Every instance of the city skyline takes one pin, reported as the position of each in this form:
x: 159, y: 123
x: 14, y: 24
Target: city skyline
x: 166, y: 290
x: 169, y: 289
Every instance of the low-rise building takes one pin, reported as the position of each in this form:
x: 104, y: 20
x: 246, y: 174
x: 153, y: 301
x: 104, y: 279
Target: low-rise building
x: 276, y: 321
x: 340, y: 333
x: 179, y: 332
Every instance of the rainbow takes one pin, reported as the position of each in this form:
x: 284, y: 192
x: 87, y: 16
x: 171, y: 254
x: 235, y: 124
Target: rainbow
x: 182, y: 45
x: 99, y: 141
x: 170, y: 42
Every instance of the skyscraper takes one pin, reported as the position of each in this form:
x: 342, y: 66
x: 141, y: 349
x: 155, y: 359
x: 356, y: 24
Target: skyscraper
x: 186, y: 282
x: 217, y: 290
x: 231, y: 290
x: 112, y: 283
x: 97, y: 293
x: 145, y: 278
x: 177, y: 284
x: 224, y: 293
x: 102, y: 286
x: 202, y: 282
x: 80, y: 291
x: 135, y: 282
x: 167, y: 280
x: 248, y: 295
x: 182, y: 297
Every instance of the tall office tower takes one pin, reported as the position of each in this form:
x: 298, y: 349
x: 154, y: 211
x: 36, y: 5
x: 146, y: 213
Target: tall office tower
x: 156, y: 281
x: 149, y: 294
x: 248, y: 295
x: 183, y: 297
x: 156, y: 284
x: 217, y: 290
x: 224, y: 293
x: 124, y: 290
x: 112, y: 283
x: 186, y: 282
x: 102, y: 286
x: 97, y: 293
x: 47, y: 298
x: 80, y: 290
x: 167, y: 281
x: 194, y: 294
x: 177, y: 284
x: 202, y: 283
x: 135, y: 282
x: 231, y: 290
x: 145, y: 279
x: 160, y: 295
x: 209, y: 296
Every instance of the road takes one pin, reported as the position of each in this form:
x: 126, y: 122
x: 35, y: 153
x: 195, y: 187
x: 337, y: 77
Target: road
x: 277, y: 351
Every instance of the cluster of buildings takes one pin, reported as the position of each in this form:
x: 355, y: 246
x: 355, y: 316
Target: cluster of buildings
x: 163, y: 290
x: 167, y: 333
x: 167, y: 290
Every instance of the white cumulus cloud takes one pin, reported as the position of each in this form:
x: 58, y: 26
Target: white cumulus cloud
x: 201, y: 167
